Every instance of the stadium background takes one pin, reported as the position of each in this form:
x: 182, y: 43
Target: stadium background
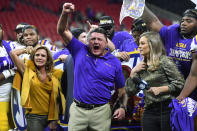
x: 44, y: 14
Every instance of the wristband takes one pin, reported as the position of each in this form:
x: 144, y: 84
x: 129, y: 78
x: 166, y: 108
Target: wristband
x: 124, y: 107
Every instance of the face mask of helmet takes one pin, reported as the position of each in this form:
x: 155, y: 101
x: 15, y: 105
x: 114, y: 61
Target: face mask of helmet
x: 107, y: 27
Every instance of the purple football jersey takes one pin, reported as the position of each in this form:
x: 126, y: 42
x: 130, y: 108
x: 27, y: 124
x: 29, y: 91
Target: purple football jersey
x: 183, y: 114
x: 177, y: 47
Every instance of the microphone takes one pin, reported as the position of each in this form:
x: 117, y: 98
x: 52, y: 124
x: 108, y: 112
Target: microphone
x: 142, y: 84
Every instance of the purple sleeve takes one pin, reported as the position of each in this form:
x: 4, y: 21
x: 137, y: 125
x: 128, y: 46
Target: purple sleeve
x: 120, y: 79
x: 169, y: 32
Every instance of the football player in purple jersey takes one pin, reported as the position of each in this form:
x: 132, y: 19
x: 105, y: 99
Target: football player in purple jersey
x: 177, y: 38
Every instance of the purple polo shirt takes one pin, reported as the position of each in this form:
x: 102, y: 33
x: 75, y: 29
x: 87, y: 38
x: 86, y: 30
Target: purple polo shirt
x: 177, y: 47
x: 94, y: 77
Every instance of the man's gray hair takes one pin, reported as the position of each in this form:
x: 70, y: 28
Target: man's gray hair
x: 98, y: 30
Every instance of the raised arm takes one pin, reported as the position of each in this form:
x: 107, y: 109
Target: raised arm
x: 14, y: 54
x: 152, y: 21
x: 62, y: 25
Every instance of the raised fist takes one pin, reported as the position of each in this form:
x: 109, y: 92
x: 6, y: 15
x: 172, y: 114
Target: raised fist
x: 68, y: 8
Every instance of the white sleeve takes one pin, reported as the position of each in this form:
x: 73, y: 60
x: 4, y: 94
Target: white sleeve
x: 193, y: 47
x: 52, y: 48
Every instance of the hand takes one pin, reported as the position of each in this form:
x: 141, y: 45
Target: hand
x: 180, y: 98
x: 63, y: 57
x: 53, y: 125
x: 91, y: 27
x: 119, y: 114
x: 29, y: 49
x: 68, y: 8
x: 140, y: 66
x: 155, y: 90
x: 123, y: 55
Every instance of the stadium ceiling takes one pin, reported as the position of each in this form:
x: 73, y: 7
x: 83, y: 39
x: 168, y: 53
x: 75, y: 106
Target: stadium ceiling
x: 175, y: 6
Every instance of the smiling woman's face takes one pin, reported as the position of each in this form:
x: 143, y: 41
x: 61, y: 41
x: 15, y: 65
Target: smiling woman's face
x: 40, y: 58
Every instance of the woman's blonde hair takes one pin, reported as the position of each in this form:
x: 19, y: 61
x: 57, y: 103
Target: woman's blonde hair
x: 49, y: 63
x: 156, y: 48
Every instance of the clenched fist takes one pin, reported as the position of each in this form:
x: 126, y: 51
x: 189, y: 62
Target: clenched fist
x: 68, y: 8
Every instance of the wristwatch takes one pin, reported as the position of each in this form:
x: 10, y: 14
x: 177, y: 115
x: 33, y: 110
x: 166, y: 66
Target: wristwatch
x: 124, y: 107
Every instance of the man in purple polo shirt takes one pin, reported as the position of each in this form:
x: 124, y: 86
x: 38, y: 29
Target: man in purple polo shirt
x: 177, y: 38
x: 95, y: 72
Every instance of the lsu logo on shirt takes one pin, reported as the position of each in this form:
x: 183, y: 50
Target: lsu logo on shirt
x: 190, y: 105
x: 181, y: 45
